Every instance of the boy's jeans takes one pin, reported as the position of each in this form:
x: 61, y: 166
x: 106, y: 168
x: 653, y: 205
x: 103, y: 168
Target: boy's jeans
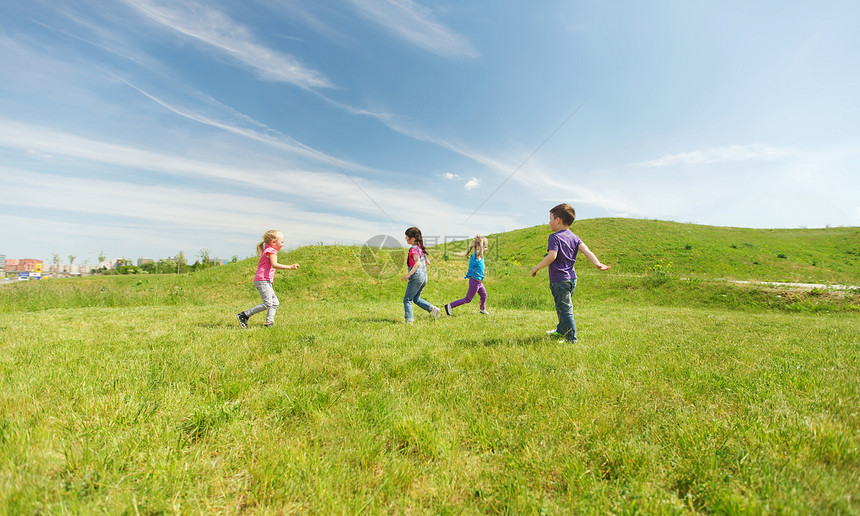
x: 416, y: 284
x: 270, y: 301
x: 561, y: 293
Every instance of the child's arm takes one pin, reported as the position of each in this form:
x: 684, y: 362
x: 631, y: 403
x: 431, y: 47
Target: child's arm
x: 548, y: 259
x: 273, y: 257
x: 411, y: 271
x: 587, y: 252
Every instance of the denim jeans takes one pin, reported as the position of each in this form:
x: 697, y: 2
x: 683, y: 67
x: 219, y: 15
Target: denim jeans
x: 561, y: 293
x: 416, y: 284
x: 270, y: 301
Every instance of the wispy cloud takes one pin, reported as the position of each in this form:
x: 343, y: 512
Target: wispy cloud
x: 177, y: 206
x: 417, y: 25
x: 451, y: 177
x: 262, y: 134
x: 718, y: 155
x: 303, y: 187
x: 207, y: 25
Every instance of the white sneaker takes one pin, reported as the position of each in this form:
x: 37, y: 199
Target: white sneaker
x: 485, y: 312
x: 435, y: 312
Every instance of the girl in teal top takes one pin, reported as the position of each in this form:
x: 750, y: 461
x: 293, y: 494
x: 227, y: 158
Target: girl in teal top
x: 475, y: 275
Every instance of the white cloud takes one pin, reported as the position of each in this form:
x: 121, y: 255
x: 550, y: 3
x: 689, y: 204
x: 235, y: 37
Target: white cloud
x: 217, y: 30
x: 364, y: 199
x: 717, y: 155
x: 268, y: 136
x: 472, y: 183
x: 452, y: 177
x: 415, y: 24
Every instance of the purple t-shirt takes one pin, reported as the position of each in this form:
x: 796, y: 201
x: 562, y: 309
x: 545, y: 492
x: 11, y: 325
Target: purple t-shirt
x: 566, y: 245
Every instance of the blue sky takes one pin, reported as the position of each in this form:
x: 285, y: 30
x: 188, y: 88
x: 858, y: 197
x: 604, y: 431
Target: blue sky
x: 146, y: 127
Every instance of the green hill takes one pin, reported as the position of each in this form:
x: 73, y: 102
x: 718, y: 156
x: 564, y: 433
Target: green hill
x: 661, y: 262
x: 634, y: 246
x: 685, y: 394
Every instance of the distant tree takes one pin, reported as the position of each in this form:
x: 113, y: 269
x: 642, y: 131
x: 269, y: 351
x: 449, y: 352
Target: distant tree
x: 166, y: 266
x: 102, y: 258
x: 204, y: 258
x: 56, y: 264
x: 180, y: 262
x: 71, y: 262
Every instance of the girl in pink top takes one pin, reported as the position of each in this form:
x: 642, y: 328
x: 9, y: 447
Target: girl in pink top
x: 273, y: 241
x: 417, y: 261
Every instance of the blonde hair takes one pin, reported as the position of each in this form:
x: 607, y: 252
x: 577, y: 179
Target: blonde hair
x: 477, y: 244
x: 268, y: 237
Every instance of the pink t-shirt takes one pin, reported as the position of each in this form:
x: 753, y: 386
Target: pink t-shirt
x: 414, y: 255
x: 265, y: 271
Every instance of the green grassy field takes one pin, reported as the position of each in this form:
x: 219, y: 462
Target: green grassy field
x: 686, y: 393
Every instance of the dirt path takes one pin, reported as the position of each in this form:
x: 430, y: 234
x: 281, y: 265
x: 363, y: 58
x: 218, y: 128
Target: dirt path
x: 808, y: 286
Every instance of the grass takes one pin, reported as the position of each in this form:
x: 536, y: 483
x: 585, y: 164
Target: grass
x: 687, y: 397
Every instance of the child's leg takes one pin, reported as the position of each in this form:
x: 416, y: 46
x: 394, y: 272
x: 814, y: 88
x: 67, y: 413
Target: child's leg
x: 413, y: 294
x: 420, y: 302
x: 482, y: 293
x: 473, y: 287
x: 561, y: 293
x: 273, y: 307
x: 260, y: 307
x: 270, y: 301
x: 411, y: 291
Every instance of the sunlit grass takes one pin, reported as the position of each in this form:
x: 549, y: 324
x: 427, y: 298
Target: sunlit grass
x: 142, y: 395
x: 342, y: 408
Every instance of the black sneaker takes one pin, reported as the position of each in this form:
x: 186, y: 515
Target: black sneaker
x: 243, y: 319
x: 448, y: 309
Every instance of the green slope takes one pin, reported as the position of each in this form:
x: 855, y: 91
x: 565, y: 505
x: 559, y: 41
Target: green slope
x: 652, y: 262
x: 636, y: 246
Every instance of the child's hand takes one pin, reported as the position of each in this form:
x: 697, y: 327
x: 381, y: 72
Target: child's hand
x: 294, y: 266
x: 534, y: 272
x: 404, y: 278
x: 604, y: 267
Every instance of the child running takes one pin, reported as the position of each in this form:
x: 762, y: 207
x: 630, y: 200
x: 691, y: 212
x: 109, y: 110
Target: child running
x: 561, y: 253
x: 273, y: 241
x: 417, y: 261
x: 475, y: 275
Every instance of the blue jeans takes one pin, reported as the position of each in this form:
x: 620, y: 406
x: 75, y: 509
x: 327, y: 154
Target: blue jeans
x: 561, y: 293
x: 416, y: 284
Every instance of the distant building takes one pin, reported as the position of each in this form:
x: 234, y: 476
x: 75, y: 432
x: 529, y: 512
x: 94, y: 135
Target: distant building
x: 141, y: 261
x: 60, y: 269
x: 24, y: 265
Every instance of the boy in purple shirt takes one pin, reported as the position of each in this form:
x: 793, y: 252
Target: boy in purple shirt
x: 562, y: 249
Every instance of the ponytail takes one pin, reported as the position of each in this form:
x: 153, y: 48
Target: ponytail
x: 477, y: 244
x: 269, y: 236
x: 415, y: 234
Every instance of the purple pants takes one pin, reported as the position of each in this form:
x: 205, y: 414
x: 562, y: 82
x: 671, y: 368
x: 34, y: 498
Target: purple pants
x: 474, y: 286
